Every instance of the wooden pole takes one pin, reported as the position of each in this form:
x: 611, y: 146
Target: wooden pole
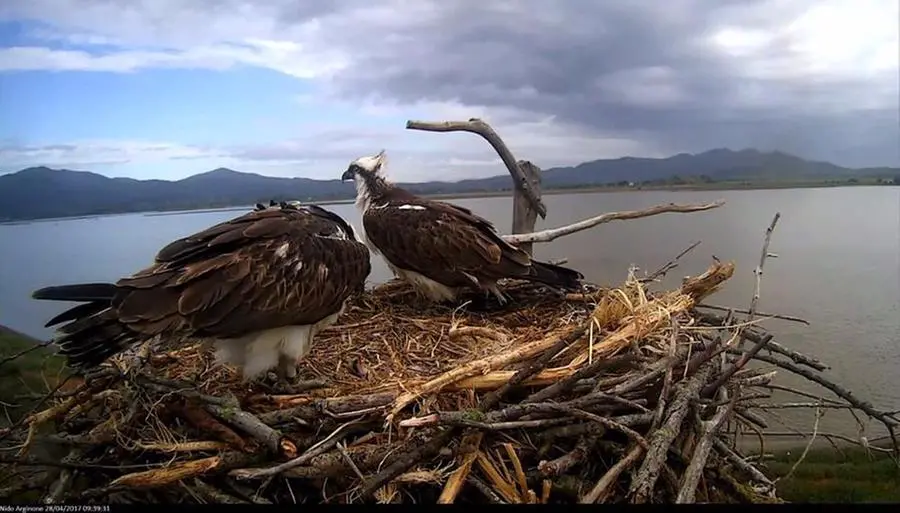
x: 527, y: 204
x: 524, y: 215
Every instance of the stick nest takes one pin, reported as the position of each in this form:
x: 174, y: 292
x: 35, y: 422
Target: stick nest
x: 619, y: 395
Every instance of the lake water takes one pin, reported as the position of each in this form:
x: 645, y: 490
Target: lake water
x: 838, y: 265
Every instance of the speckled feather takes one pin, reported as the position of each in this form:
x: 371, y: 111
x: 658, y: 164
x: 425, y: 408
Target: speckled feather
x: 438, y: 241
x: 265, y: 269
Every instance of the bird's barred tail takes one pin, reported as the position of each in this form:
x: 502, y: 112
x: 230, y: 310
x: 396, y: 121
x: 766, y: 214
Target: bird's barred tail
x: 93, y: 332
x: 556, y: 275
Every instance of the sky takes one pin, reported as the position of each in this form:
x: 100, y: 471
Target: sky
x: 170, y: 88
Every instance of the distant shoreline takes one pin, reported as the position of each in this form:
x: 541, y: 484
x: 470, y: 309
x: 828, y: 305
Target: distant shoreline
x: 5, y: 330
x: 713, y: 186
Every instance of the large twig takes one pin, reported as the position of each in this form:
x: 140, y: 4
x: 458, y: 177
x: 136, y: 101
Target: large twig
x: 701, y: 452
x: 746, y: 311
x: 555, y: 233
x: 758, y: 271
x: 805, y: 449
x: 772, y: 346
x: 838, y: 390
x: 741, y: 463
x: 668, y: 266
x: 645, y: 479
x: 710, y: 389
x: 248, y: 423
x: 477, y: 126
x: 600, y: 490
x: 317, y: 449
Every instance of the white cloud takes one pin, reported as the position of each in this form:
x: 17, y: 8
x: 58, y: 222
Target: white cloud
x: 805, y: 45
x: 323, y: 153
x: 82, y: 154
x: 828, y: 40
x: 284, y: 56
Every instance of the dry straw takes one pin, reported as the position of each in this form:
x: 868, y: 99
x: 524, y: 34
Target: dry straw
x: 596, y: 397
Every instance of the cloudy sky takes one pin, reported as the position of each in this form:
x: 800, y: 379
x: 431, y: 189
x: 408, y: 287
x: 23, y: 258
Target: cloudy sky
x: 170, y: 88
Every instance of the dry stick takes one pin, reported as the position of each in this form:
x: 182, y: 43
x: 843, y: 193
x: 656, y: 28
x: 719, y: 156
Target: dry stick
x: 644, y: 482
x: 248, y: 423
x: 764, y: 255
x: 585, y: 443
x: 477, y: 126
x: 405, y: 461
x: 741, y: 463
x: 754, y: 336
x: 215, y: 495
x: 652, y: 373
x: 838, y: 390
x: 736, y: 366
x: 24, y: 352
x: 555, y: 233
x: 776, y: 406
x: 568, y: 382
x: 761, y: 314
x: 184, y: 389
x: 701, y: 452
x: 805, y: 449
x: 562, y: 464
x: 511, y: 413
x: 830, y: 437
x: 599, y: 492
x: 802, y: 359
x: 889, y: 422
x: 317, y: 449
x: 536, y: 365
x: 801, y: 393
x: 458, y: 477
x: 480, y: 366
x: 668, y: 266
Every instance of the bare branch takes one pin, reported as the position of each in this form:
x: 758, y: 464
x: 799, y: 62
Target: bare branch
x: 555, y: 233
x: 736, y: 366
x: 477, y: 126
x: 764, y: 255
x: 668, y: 266
x: 694, y: 471
x: 838, y: 390
x: 761, y: 314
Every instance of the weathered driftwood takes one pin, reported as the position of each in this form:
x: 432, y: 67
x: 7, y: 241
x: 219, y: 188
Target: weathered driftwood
x: 527, y: 204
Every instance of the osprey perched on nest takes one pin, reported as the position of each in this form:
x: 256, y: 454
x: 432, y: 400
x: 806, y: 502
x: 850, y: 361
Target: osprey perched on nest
x: 438, y: 247
x: 260, y: 286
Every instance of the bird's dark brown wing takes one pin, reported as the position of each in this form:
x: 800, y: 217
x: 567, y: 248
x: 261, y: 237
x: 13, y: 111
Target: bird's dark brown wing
x: 442, y: 242
x: 264, y: 269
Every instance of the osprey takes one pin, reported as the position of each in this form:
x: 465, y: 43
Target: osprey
x: 260, y: 286
x: 438, y: 247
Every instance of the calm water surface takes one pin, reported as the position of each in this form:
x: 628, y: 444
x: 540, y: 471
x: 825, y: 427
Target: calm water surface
x: 838, y: 265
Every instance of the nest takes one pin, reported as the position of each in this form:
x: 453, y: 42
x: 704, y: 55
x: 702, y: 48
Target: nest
x: 607, y: 396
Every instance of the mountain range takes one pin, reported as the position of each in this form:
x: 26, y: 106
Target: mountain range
x: 41, y: 192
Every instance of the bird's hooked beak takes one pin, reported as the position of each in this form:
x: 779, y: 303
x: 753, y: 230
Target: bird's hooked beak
x: 370, y: 164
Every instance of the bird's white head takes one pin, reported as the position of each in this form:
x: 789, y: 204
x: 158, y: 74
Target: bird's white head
x: 371, y: 165
x: 368, y: 175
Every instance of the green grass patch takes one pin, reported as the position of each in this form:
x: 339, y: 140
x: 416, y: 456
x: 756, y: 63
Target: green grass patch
x: 27, y: 378
x: 826, y: 475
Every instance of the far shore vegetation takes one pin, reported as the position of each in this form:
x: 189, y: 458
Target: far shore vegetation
x: 674, y: 183
x: 825, y: 475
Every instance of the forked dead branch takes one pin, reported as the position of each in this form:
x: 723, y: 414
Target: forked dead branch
x: 619, y: 394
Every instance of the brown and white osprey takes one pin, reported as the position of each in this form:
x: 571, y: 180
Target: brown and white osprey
x: 260, y: 286
x: 438, y: 247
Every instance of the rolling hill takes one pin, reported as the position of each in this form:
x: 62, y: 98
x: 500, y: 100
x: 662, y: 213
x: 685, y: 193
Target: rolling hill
x: 41, y: 192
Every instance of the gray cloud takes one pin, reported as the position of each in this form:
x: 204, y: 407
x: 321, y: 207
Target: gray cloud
x: 562, y: 81
x: 637, y: 68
